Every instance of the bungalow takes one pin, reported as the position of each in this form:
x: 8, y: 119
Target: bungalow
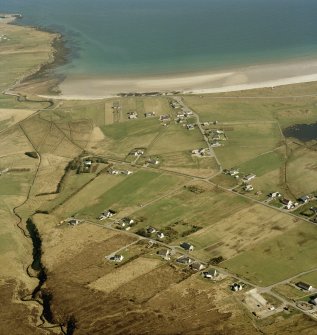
x: 249, y: 177
x: 215, y: 144
x: 304, y: 286
x: 314, y: 209
x: 248, y: 187
x: 187, y: 246
x: 304, y: 199
x: 165, y: 117
x: 153, y: 161
x: 288, y: 203
x: 116, y: 258
x: 190, y: 126
x: 151, y: 230
x: 199, y: 152
x: 184, y: 260
x: 126, y: 172
x: 107, y: 214
x: 233, y: 172
x: 213, y: 273
x: 275, y: 195
x: 165, y: 253
x: 132, y: 115
x: 150, y: 114
x: 73, y: 221
x: 180, y: 114
x: 313, y: 300
x: 125, y: 222
x: 160, y: 235
x: 236, y: 287
x: 197, y: 266
x: 87, y: 162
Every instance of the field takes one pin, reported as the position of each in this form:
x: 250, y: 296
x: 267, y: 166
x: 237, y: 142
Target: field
x: 278, y: 258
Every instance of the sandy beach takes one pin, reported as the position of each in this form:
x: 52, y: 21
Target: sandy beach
x: 259, y: 76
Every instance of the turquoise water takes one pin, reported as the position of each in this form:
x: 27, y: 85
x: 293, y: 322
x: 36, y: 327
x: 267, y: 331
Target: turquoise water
x: 140, y: 37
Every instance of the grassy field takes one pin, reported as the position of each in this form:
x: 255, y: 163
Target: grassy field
x: 247, y: 141
x: 278, y: 258
x: 124, y: 194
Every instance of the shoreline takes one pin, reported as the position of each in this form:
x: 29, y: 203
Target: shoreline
x: 95, y: 87
x: 240, y: 79
x: 43, y: 72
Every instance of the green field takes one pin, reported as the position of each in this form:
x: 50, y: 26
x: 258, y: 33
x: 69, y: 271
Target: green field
x: 279, y: 258
x: 120, y: 193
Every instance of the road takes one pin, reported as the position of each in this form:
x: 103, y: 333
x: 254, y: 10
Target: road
x: 210, y: 148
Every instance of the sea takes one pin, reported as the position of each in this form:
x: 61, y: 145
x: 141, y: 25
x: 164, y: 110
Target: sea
x: 124, y: 38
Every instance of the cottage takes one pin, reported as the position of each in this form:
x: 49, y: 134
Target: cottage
x: 304, y: 199
x: 153, y: 161
x: 288, y: 203
x: 165, y: 117
x: 190, y: 126
x: 151, y: 230
x: 150, y: 114
x: 107, y: 214
x: 248, y: 187
x: 88, y: 163
x: 304, y: 286
x: 165, y: 253
x: 187, y: 246
x: 197, y: 266
x: 313, y: 300
x: 275, y: 195
x: 249, y: 177
x: 184, y: 260
x: 132, y: 115
x: 73, y: 221
x: 233, y: 172
x: 236, y: 287
x: 314, y: 209
x: 215, y: 144
x: 117, y: 258
x: 212, y: 273
x: 160, y: 235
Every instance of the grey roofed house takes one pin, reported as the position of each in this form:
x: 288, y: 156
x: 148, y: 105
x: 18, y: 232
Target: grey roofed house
x: 212, y: 273
x: 314, y: 209
x: 304, y: 199
x: 165, y: 253
x: 116, y: 258
x: 73, y: 221
x: 249, y: 177
x: 304, y: 286
x: 184, y: 260
x: 236, y: 287
x: 151, y: 230
x: 187, y: 246
x: 313, y: 300
x: 197, y: 266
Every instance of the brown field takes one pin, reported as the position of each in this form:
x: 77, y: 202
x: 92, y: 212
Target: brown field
x: 124, y: 274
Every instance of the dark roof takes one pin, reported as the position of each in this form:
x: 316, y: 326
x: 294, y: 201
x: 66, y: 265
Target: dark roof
x: 186, y: 245
x: 303, y: 285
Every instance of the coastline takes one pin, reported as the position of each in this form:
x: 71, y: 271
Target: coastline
x: 251, y: 77
x: 43, y: 74
x: 46, y: 83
